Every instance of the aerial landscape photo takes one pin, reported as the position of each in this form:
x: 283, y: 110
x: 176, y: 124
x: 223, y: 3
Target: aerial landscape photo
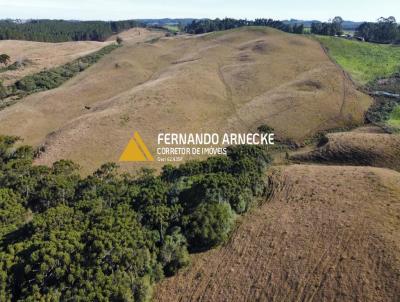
x: 199, y: 151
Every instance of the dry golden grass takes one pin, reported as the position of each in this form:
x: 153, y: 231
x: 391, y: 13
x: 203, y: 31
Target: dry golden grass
x: 357, y: 148
x: 136, y: 35
x: 226, y: 81
x: 39, y: 56
x: 328, y: 233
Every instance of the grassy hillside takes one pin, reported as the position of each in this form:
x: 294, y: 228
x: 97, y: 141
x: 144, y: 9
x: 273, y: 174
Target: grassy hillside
x: 172, y: 28
x: 364, y: 61
x: 33, y: 57
x: 357, y: 148
x: 55, y: 77
x: 323, y: 233
x: 232, y: 81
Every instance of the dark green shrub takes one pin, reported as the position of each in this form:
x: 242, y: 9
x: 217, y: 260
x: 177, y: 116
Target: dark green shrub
x: 174, y: 254
x: 209, y: 225
x: 12, y: 212
x: 219, y: 187
x: 323, y: 140
x: 265, y: 129
x: 26, y: 84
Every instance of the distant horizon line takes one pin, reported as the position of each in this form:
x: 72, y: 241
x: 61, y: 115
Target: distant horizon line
x: 180, y: 18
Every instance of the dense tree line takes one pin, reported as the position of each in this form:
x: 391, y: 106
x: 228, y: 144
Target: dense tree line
x: 328, y: 28
x: 53, y: 77
x: 62, y: 31
x: 385, y: 30
x: 110, y: 236
x: 207, y: 25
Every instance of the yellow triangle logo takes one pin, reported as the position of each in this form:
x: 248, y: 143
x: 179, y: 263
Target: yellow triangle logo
x: 136, y: 150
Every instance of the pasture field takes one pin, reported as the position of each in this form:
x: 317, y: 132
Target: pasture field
x: 364, y: 61
x: 232, y: 81
x: 172, y: 28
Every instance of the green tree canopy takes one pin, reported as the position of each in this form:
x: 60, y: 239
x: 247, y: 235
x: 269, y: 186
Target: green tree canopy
x: 111, y: 236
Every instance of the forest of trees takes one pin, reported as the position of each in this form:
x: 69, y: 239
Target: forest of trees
x: 328, y: 28
x: 207, y: 25
x: 385, y: 30
x: 110, y: 236
x: 62, y: 31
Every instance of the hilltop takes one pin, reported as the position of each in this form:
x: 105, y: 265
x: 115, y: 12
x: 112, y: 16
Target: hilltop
x: 232, y: 81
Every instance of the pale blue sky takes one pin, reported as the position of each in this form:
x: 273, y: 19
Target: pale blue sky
x: 358, y: 10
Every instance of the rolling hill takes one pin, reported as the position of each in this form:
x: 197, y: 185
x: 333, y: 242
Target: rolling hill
x: 326, y: 229
x: 357, y: 148
x: 220, y: 82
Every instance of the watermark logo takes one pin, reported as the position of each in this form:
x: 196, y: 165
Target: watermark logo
x: 175, y: 147
x: 136, y: 151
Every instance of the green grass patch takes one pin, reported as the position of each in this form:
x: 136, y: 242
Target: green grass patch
x: 394, y: 119
x: 172, y: 28
x: 364, y: 61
